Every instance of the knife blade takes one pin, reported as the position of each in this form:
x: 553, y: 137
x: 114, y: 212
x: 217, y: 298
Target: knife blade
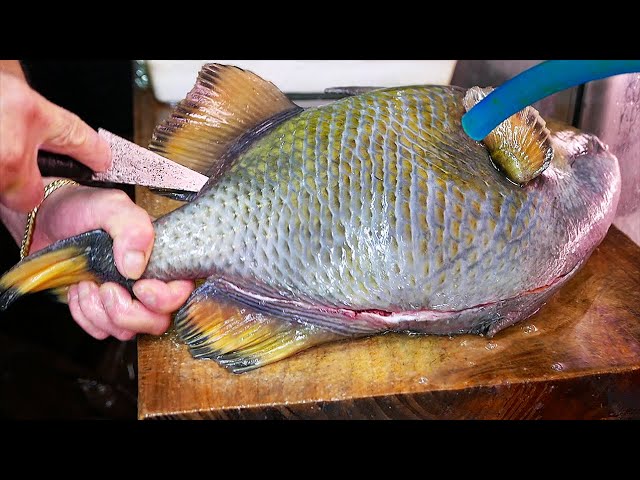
x: 131, y: 165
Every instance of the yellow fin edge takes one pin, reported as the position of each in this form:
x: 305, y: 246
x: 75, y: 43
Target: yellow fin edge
x: 520, y: 146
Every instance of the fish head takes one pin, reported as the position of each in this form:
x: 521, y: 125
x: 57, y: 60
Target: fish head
x: 588, y: 160
x: 584, y: 178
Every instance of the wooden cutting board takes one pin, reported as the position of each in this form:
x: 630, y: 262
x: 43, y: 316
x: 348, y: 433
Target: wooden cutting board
x: 579, y: 357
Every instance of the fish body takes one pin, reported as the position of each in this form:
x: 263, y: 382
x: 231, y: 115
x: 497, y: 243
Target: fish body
x: 381, y: 202
x: 373, y: 213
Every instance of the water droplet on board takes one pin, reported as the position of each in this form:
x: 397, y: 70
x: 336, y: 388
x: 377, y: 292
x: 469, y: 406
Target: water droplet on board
x: 530, y: 328
x: 423, y: 380
x: 558, y: 367
x: 463, y: 343
x: 491, y: 346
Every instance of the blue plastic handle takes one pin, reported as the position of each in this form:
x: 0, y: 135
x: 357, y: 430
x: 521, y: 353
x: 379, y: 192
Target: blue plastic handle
x: 535, y: 84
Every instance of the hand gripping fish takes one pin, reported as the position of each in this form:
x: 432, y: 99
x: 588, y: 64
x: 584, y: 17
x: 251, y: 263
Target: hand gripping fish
x: 374, y: 213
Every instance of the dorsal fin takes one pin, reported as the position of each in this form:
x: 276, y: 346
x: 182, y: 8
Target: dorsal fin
x: 225, y: 103
x: 520, y: 145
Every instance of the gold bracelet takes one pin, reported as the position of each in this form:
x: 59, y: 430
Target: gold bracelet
x: 31, y: 217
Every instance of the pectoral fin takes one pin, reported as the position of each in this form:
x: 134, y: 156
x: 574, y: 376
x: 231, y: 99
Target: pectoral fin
x: 519, y: 146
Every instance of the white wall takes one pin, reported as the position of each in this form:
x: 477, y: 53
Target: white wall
x: 172, y: 79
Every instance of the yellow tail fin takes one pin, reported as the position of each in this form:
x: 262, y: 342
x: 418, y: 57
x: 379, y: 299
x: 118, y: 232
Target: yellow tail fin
x: 88, y: 256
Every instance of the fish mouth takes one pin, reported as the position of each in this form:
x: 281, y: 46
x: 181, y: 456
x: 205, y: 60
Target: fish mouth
x: 360, y: 321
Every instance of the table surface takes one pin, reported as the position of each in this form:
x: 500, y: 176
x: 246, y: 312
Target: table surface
x: 579, y: 357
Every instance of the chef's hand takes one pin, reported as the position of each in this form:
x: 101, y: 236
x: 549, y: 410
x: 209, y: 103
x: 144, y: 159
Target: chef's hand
x: 108, y: 309
x: 29, y: 122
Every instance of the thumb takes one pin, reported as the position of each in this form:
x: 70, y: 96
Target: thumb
x: 64, y: 132
x: 132, y: 232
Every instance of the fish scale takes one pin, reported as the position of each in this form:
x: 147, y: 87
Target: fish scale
x: 396, y: 251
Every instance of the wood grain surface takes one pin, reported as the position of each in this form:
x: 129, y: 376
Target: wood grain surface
x: 579, y: 357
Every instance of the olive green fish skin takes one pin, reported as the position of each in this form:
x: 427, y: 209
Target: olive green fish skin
x: 381, y: 201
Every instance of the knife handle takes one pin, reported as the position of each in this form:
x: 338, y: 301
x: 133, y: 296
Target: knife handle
x: 58, y: 165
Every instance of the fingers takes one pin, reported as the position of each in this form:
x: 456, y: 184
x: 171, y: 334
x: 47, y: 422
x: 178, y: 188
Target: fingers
x: 80, y: 318
x: 109, y: 310
x: 130, y: 314
x: 64, y: 132
x: 93, y: 309
x: 163, y: 297
x: 29, y: 122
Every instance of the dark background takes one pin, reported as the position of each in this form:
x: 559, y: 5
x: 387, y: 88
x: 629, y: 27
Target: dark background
x: 49, y: 367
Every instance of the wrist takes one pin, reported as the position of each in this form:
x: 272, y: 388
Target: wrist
x: 40, y: 222
x: 41, y: 234
x: 14, y: 221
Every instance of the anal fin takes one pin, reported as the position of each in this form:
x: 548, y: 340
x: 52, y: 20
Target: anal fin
x: 238, y: 337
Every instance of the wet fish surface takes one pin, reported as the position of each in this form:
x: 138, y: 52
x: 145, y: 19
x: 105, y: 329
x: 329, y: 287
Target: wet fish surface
x: 373, y: 213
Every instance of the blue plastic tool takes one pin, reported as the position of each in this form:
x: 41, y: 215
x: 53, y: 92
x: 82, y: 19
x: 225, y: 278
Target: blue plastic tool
x: 535, y: 84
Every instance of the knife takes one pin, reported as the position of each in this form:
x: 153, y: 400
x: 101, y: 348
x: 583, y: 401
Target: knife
x: 131, y: 165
